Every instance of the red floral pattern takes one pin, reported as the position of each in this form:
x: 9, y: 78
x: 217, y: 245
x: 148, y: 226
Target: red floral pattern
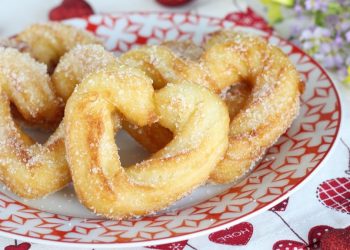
x: 249, y: 18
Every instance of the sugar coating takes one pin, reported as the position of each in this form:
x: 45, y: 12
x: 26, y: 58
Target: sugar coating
x: 77, y: 64
x: 257, y: 81
x: 270, y: 107
x: 268, y: 100
x: 26, y: 82
x: 28, y: 168
x: 179, y: 107
x: 13, y: 43
x: 185, y: 49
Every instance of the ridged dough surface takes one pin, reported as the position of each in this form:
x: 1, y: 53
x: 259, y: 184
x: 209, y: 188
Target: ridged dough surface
x: 257, y: 81
x: 29, y: 169
x: 198, y: 119
x: 47, y: 42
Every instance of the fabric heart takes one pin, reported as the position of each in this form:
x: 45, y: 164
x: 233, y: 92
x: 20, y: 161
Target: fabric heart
x: 171, y: 246
x: 280, y: 206
x: 22, y: 246
x: 236, y: 236
x: 70, y: 9
x: 173, y: 2
x: 250, y: 19
x: 288, y: 244
x: 315, y: 239
x: 335, y: 194
x: 315, y: 235
x: 336, y: 239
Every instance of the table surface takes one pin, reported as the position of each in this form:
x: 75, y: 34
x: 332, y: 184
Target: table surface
x: 303, y: 211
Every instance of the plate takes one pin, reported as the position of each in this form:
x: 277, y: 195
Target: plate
x: 59, y: 219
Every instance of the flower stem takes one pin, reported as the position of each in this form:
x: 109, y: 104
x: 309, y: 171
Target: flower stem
x: 290, y: 228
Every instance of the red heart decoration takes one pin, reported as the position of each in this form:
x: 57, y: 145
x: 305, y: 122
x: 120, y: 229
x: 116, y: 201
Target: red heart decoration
x: 173, y: 2
x: 316, y: 233
x: 22, y: 246
x: 280, y: 207
x: 69, y: 9
x: 317, y: 238
x: 249, y: 18
x: 288, y: 245
x: 335, y: 194
x: 237, y: 235
x: 336, y: 239
x: 171, y: 246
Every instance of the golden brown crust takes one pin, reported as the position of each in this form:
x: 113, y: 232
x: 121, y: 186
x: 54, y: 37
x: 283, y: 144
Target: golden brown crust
x: 76, y: 64
x: 101, y: 183
x: 27, y: 85
x: 29, y: 169
x: 47, y: 42
x: 256, y: 80
x: 271, y: 106
x: 164, y: 64
x: 153, y: 137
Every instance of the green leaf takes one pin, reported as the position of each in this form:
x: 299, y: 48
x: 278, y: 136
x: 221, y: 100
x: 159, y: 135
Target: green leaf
x: 319, y: 18
x: 334, y: 8
x: 347, y: 78
x: 274, y: 13
x: 288, y: 3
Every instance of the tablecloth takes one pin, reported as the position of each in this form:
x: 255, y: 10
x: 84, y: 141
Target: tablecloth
x: 296, y: 223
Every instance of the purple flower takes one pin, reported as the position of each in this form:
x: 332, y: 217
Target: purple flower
x: 308, y: 45
x: 315, y: 5
x: 325, y: 48
x: 319, y: 57
x: 306, y: 34
x: 338, y: 60
x: 329, y: 62
x: 320, y: 32
x: 338, y: 41
x: 347, y: 61
x: 329, y: 41
x: 347, y: 36
x: 344, y: 25
x: 332, y: 20
x: 298, y: 9
x: 343, y: 71
x: 344, y: 3
x: 315, y: 33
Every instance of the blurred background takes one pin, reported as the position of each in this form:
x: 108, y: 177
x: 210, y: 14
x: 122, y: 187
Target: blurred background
x: 320, y: 27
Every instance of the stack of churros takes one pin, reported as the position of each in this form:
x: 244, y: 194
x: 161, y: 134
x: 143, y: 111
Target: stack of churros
x: 206, y: 113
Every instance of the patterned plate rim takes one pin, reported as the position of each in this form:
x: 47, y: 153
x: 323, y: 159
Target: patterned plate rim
x: 234, y: 221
